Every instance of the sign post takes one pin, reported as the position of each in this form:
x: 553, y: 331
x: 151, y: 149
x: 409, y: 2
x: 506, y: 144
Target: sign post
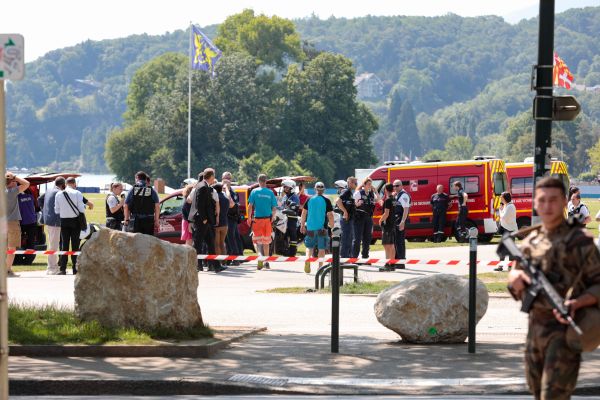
x: 12, y: 67
x: 335, y: 291
x: 472, y: 288
x: 543, y: 101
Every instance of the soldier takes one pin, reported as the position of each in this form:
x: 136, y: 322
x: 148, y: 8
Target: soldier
x: 570, y: 260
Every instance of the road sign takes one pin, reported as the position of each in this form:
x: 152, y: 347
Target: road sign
x: 565, y: 108
x: 12, y: 58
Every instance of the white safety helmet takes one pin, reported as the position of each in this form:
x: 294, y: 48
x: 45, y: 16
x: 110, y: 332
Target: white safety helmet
x: 341, y: 184
x: 288, y: 183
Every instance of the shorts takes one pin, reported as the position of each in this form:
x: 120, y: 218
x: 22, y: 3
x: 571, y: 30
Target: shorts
x: 13, y: 234
x: 387, y: 237
x: 320, y: 241
x: 261, y: 231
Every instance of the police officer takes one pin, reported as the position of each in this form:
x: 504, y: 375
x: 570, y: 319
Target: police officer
x: 365, y: 199
x: 290, y: 203
x: 345, y: 203
x: 568, y: 257
x: 440, y: 202
x: 401, y: 210
x: 233, y: 241
x: 463, y: 211
x: 114, y: 203
x: 142, y: 205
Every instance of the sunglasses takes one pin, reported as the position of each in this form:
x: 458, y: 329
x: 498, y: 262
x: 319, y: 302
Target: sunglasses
x: 397, y: 185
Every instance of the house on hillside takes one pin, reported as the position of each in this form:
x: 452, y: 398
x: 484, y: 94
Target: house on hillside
x: 85, y: 87
x: 368, y: 86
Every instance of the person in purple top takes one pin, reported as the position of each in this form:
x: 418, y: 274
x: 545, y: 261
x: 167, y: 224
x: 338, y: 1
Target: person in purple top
x: 28, y: 217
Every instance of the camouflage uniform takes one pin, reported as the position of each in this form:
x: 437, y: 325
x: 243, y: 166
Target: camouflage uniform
x: 565, y: 255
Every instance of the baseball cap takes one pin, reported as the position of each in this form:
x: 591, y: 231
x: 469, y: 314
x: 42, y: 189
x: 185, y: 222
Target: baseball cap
x: 319, y: 185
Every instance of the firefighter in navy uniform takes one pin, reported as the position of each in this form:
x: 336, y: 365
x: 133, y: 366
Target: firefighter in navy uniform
x: 345, y: 203
x: 142, y: 206
x: 364, y: 199
x: 291, y: 208
x: 440, y: 202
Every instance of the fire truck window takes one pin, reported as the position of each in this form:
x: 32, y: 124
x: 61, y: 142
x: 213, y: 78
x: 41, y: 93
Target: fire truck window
x: 378, y: 185
x: 423, y: 182
x: 500, y: 183
x: 521, y: 186
x: 469, y: 183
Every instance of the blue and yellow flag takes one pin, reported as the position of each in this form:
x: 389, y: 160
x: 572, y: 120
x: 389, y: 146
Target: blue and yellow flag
x: 204, y: 53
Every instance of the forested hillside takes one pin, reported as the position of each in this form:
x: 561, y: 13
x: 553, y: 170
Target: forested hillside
x: 449, y: 83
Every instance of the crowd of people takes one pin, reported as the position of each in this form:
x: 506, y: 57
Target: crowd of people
x: 211, y: 214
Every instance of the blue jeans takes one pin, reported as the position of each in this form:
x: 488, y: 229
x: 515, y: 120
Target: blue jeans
x: 363, y: 231
x: 233, y: 241
x: 347, y: 238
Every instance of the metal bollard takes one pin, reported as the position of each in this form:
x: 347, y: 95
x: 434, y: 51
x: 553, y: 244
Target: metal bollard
x: 472, y: 287
x: 335, y: 291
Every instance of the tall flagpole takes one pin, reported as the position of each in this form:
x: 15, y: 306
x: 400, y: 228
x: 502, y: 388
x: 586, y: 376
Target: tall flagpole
x: 189, y: 155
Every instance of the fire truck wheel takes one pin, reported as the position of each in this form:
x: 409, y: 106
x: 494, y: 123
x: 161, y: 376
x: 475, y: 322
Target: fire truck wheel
x: 462, y: 236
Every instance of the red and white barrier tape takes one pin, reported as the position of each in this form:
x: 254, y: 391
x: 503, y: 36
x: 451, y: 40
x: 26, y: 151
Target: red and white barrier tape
x: 295, y: 259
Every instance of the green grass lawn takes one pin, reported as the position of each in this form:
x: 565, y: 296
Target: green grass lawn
x: 55, y: 325
x: 494, y: 281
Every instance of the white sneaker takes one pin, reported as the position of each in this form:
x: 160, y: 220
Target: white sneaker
x: 52, y: 272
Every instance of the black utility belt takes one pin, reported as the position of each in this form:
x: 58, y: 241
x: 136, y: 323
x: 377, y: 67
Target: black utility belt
x: 262, y: 217
x: 142, y: 216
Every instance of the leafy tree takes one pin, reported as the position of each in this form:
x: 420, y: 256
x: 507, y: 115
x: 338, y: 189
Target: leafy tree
x: 127, y: 149
x: 594, y: 154
x: 459, y: 148
x: 156, y: 78
x: 270, y: 40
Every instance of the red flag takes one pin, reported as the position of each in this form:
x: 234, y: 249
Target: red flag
x: 561, y: 76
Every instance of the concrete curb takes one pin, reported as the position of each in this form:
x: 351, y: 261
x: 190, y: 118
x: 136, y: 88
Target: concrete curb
x: 205, y: 386
x: 179, y: 350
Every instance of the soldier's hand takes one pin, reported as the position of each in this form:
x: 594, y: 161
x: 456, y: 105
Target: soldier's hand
x: 585, y: 300
x: 559, y: 317
x: 518, y: 281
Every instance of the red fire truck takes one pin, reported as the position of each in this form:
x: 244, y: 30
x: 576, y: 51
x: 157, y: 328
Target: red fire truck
x: 483, y: 178
x: 520, y: 179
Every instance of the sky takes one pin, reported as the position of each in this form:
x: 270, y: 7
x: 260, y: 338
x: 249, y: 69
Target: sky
x: 49, y: 25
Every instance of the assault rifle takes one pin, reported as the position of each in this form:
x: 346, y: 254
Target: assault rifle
x: 539, y: 282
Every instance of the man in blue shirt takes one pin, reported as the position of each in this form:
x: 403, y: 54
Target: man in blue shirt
x: 315, y: 216
x: 261, y: 211
x: 52, y: 222
x: 143, y: 205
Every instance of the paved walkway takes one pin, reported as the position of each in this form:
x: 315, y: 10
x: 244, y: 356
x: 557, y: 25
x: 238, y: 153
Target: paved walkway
x: 294, y: 354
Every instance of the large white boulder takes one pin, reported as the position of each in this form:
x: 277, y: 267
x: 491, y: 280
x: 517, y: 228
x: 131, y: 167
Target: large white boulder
x: 131, y: 279
x: 430, y: 309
